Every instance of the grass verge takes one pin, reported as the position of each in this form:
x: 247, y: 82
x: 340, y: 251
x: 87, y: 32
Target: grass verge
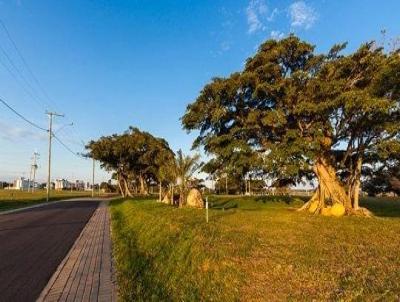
x: 10, y: 199
x: 254, y: 249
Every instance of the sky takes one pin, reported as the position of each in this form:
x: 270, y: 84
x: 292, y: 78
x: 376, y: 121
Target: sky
x: 108, y: 65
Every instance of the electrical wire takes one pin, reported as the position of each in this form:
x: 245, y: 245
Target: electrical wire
x: 33, y: 91
x: 25, y: 63
x: 66, y: 147
x: 21, y: 116
x: 35, y: 79
x: 27, y: 91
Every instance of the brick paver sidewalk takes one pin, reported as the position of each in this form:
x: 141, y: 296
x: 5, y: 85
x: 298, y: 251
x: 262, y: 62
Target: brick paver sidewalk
x: 86, y: 272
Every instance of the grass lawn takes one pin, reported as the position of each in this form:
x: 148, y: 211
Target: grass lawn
x: 13, y: 199
x: 256, y: 249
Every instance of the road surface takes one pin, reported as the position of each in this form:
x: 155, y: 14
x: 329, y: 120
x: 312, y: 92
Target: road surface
x: 34, y: 242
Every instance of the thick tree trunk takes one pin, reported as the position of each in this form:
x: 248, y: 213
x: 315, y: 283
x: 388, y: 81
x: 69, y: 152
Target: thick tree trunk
x: 357, y: 184
x: 121, y: 189
x: 127, y: 191
x: 172, y: 195
x: 160, y: 192
x: 143, y: 186
x: 329, y: 191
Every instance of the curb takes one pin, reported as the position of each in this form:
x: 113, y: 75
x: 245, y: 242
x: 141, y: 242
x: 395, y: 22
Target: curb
x: 42, y: 204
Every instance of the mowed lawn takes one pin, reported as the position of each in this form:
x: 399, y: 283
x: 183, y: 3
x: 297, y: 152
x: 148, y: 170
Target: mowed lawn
x: 12, y: 199
x: 255, y: 249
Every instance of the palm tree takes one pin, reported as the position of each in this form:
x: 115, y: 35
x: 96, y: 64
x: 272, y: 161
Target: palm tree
x: 185, y: 166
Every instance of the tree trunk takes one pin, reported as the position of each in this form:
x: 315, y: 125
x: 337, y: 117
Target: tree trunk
x: 160, y: 192
x: 329, y: 191
x: 250, y: 186
x: 226, y: 184
x: 143, y: 187
x: 127, y: 191
x: 357, y: 185
x: 182, y: 197
x: 121, y: 189
x: 172, y: 195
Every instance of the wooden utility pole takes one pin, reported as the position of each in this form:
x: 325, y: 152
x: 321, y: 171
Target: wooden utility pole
x: 50, y: 130
x: 93, y: 178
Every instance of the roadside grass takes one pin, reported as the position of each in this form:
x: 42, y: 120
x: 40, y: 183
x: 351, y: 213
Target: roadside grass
x: 10, y: 199
x: 255, y: 249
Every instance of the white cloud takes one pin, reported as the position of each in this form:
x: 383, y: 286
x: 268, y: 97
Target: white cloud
x: 277, y: 35
x: 257, y: 12
x: 273, y: 14
x: 12, y: 133
x: 254, y: 11
x: 225, y: 45
x: 302, y: 15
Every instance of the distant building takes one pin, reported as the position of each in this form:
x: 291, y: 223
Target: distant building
x: 20, y: 184
x: 62, y: 184
x: 52, y: 185
x: 79, y: 185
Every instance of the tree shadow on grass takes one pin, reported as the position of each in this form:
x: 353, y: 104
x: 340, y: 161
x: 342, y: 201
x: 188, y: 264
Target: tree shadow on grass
x: 382, y: 207
x: 281, y: 199
x: 224, y: 205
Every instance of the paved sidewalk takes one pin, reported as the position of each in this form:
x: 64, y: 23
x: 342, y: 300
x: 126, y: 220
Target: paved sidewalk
x: 85, y: 274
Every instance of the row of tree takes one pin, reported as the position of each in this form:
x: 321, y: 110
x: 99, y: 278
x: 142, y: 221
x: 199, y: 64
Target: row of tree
x: 138, y: 160
x: 293, y: 115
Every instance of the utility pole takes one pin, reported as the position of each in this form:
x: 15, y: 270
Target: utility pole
x: 93, y: 178
x: 50, y: 130
x: 29, y: 180
x: 34, y: 168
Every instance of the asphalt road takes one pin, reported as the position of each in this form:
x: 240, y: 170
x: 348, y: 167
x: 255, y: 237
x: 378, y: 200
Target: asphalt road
x: 34, y: 242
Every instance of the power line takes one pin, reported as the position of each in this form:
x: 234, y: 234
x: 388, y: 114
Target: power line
x: 66, y: 147
x: 25, y: 63
x: 27, y: 91
x: 39, y: 127
x: 21, y: 116
x: 27, y: 83
x: 35, y: 79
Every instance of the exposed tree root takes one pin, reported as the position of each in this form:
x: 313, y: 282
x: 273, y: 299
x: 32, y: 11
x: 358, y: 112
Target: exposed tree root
x: 330, y: 197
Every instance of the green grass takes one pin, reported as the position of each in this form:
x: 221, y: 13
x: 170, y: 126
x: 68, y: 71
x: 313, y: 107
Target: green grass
x: 10, y: 199
x: 255, y: 249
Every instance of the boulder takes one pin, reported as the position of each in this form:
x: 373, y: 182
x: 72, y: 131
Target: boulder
x: 338, y: 210
x: 326, y: 211
x: 194, y: 199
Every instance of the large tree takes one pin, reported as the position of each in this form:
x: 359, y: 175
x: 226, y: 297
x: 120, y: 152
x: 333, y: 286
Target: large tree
x: 305, y: 114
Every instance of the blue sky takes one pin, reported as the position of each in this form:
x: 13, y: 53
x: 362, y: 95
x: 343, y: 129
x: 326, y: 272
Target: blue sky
x: 110, y: 64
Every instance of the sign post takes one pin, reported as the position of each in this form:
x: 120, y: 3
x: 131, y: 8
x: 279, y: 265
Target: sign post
x: 207, y: 209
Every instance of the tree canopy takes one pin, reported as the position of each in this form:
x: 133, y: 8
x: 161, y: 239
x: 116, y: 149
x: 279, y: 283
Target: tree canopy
x: 136, y: 157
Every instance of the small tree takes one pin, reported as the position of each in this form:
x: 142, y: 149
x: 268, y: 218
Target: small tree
x: 184, y: 168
